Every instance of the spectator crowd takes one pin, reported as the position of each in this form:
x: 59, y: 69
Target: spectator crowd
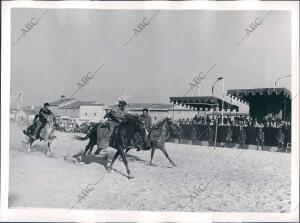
x: 236, y: 130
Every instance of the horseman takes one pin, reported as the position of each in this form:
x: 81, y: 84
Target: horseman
x: 115, y: 117
x: 148, y: 124
x: 39, y: 122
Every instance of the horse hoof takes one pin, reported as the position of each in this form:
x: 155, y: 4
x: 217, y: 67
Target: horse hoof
x: 174, y: 164
x: 109, y: 170
x: 130, y: 177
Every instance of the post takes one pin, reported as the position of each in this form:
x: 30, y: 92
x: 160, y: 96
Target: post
x: 216, y: 133
x: 21, y: 101
x: 223, y: 103
x: 173, y: 112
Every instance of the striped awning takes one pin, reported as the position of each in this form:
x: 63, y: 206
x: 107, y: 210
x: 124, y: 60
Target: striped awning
x: 204, y: 103
x: 245, y: 94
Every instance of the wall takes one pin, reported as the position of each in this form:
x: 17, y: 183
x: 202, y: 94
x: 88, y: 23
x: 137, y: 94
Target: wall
x: 73, y: 113
x: 92, y: 113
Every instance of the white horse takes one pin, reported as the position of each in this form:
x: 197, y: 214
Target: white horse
x: 46, y: 134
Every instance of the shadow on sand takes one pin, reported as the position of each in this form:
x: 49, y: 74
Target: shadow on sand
x: 91, y: 159
x: 104, y: 161
x: 131, y: 158
x: 39, y: 147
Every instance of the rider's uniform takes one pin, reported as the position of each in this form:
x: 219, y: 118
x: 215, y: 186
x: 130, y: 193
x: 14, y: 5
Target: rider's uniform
x: 39, y: 122
x: 148, y: 124
x: 115, y: 117
x: 148, y: 121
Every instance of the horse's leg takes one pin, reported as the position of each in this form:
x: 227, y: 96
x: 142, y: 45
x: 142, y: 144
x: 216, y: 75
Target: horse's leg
x: 163, y: 149
x: 86, y: 149
x: 113, y: 161
x: 152, y: 155
x: 125, y: 163
x: 98, y: 150
x: 31, y: 140
x: 90, y: 150
x: 127, y: 150
x: 48, y: 152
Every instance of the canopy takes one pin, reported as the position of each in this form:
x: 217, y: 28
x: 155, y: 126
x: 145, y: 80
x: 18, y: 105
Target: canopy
x: 203, y: 103
x: 246, y: 94
x: 265, y: 101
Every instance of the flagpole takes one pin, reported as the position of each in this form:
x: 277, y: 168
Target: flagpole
x: 223, y: 102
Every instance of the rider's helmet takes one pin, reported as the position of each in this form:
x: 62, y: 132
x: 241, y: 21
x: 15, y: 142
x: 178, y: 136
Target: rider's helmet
x: 46, y: 104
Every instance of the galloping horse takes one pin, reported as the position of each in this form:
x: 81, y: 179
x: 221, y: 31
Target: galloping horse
x: 127, y: 134
x: 92, y: 135
x: 158, y: 135
x: 46, y: 134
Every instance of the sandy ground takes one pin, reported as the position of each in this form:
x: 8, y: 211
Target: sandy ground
x: 204, y: 179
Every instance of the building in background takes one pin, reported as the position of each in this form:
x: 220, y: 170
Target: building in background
x: 159, y: 111
x: 56, y: 106
x: 70, y: 110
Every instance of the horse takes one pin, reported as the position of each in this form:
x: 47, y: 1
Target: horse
x: 126, y: 134
x: 158, y: 135
x: 46, y: 134
x: 92, y: 135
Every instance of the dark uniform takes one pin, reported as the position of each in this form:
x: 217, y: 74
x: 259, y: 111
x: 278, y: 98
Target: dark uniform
x: 210, y: 136
x: 242, y: 136
x: 260, y: 138
x: 148, y: 124
x: 148, y: 121
x: 280, y: 139
x: 39, y: 122
x: 229, y: 137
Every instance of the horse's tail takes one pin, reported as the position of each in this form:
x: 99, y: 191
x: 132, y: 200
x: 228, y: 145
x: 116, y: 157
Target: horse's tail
x: 87, y: 135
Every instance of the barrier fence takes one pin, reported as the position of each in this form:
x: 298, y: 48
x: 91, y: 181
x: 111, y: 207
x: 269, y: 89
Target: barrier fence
x: 207, y: 133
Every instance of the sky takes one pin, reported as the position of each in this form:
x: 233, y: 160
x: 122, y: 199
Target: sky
x: 160, y: 60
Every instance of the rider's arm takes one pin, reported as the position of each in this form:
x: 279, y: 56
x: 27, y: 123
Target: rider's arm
x: 119, y: 116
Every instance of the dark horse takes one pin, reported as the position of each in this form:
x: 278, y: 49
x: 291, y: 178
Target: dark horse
x: 158, y: 135
x: 127, y: 134
x: 92, y: 135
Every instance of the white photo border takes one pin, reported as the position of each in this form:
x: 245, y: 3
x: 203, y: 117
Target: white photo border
x: 43, y: 214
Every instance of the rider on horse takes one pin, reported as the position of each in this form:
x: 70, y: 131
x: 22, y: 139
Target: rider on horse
x: 39, y: 122
x: 116, y: 116
x: 148, y: 124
